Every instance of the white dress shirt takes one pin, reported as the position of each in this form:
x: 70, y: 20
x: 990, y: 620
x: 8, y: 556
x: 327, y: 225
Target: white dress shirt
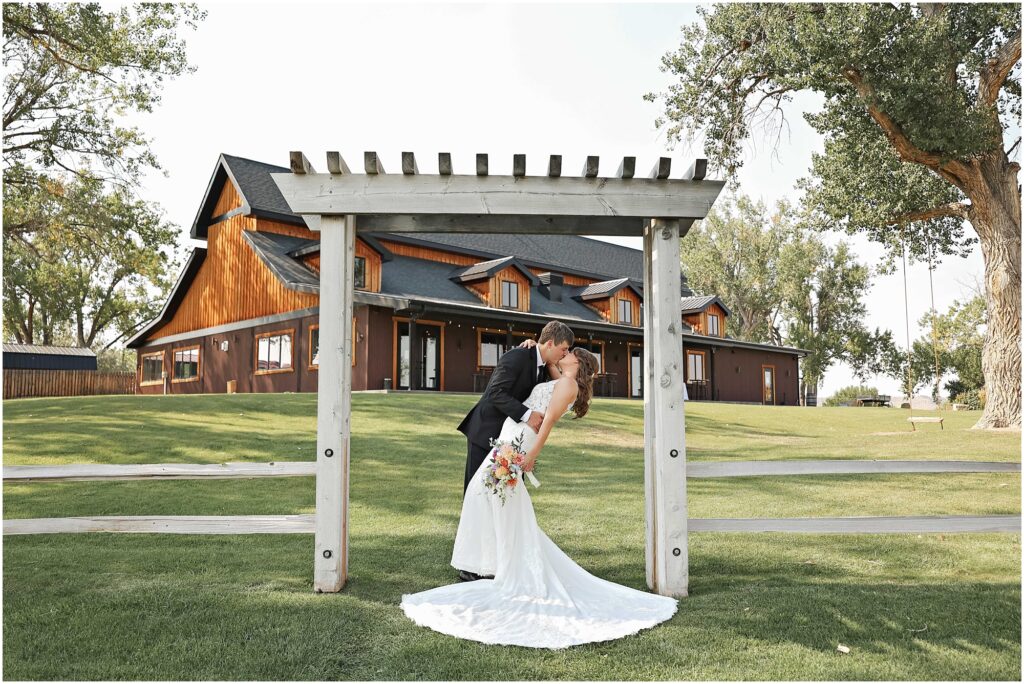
x: 540, y: 362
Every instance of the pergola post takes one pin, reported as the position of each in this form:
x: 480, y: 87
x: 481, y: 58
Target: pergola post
x: 664, y: 421
x: 334, y: 402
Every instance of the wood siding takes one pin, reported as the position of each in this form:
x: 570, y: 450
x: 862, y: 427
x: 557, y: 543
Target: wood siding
x: 373, y: 265
x: 22, y: 382
x: 233, y: 284
x: 229, y: 199
x: 699, y: 321
x: 514, y: 275
x: 634, y: 301
x: 417, y: 252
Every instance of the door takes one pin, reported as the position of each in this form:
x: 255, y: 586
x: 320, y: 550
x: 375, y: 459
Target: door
x: 636, y: 371
x: 768, y: 385
x: 427, y: 362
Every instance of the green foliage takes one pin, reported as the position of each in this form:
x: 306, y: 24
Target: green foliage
x: 974, y: 399
x: 72, y: 70
x: 960, y: 339
x: 109, y: 273
x: 918, y: 66
x: 734, y: 253
x: 783, y: 284
x: 847, y: 395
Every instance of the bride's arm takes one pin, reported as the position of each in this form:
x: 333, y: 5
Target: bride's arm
x: 553, y: 371
x: 564, y: 394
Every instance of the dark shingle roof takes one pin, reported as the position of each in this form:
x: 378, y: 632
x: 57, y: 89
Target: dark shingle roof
x: 485, y: 269
x: 256, y: 185
x: 605, y: 288
x: 273, y: 249
x: 701, y: 302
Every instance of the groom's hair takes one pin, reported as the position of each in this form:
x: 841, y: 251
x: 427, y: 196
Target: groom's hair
x: 557, y: 332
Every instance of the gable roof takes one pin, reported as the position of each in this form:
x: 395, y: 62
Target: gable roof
x: 486, y: 269
x: 697, y: 304
x: 257, y: 190
x: 274, y: 251
x: 605, y: 288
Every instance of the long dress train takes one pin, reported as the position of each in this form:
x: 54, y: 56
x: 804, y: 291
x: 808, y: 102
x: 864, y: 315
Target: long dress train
x: 539, y: 597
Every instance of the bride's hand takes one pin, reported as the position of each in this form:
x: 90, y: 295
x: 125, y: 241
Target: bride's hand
x: 530, y: 460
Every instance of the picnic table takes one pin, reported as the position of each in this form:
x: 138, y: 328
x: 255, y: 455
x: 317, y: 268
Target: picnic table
x: 879, y: 400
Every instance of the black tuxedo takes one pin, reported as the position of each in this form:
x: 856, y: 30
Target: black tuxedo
x: 513, y: 379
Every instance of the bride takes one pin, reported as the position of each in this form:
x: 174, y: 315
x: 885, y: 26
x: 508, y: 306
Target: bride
x: 538, y: 596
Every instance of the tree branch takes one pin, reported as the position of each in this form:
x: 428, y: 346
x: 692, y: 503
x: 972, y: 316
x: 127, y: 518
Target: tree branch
x: 954, y: 171
x: 995, y: 72
x: 952, y: 209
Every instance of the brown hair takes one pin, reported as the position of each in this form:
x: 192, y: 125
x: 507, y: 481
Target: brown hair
x: 558, y: 332
x: 584, y: 381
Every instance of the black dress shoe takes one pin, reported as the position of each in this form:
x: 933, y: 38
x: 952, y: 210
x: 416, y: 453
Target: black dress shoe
x: 467, y: 576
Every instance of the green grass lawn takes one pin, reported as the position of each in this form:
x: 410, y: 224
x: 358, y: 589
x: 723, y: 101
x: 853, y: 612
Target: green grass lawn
x: 762, y: 606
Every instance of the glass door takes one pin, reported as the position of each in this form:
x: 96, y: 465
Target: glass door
x: 768, y: 384
x: 427, y: 347
x: 636, y: 371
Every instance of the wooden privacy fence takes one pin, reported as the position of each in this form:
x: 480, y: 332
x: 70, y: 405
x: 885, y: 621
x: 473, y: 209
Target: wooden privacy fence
x: 21, y: 382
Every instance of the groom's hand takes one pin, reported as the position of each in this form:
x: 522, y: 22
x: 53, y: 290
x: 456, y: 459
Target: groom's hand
x: 535, y: 420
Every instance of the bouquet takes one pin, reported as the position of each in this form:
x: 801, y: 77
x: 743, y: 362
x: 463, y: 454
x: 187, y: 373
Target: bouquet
x: 505, y: 467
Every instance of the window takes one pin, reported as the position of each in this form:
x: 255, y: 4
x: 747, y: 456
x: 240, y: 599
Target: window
x: 713, y: 325
x: 274, y: 352
x: 360, y: 274
x: 492, y: 346
x: 314, y: 346
x: 186, y: 364
x: 694, y: 366
x: 625, y: 312
x: 596, y: 348
x: 509, y: 294
x: 152, y: 368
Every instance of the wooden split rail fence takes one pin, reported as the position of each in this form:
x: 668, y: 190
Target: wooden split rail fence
x: 22, y: 383
x: 304, y: 524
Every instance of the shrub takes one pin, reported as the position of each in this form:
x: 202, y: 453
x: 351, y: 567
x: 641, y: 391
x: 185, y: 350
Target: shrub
x: 974, y: 399
x: 848, y: 395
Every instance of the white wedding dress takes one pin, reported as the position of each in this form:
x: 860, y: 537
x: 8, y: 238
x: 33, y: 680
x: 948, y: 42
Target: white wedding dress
x: 539, y: 597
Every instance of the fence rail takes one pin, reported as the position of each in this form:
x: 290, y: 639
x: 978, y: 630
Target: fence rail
x: 21, y: 383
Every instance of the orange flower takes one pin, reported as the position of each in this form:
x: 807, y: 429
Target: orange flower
x: 512, y: 482
x: 504, y: 463
x: 501, y: 472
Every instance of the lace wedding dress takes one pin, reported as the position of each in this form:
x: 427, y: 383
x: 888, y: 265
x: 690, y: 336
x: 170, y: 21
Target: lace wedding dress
x: 539, y: 597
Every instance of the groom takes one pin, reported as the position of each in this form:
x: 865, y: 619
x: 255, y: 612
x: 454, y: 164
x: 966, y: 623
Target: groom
x: 518, y: 371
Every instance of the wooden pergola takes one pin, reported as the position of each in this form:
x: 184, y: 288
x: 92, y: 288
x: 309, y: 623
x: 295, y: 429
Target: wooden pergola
x: 661, y: 209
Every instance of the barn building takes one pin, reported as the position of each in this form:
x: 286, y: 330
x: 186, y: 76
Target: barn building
x: 433, y: 311
x: 47, y: 357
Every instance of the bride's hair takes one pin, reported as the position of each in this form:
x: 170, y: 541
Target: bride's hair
x: 584, y: 380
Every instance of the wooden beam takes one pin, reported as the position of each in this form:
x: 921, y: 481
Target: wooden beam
x: 555, y: 166
x: 650, y: 464
x: 590, y: 167
x: 444, y: 163
x: 627, y: 168
x: 164, y: 524
x: 81, y: 472
x: 298, y: 163
x: 911, y: 524
x: 493, y: 223
x: 336, y: 164
x: 334, y: 402
x: 661, y: 168
x: 518, y: 165
x: 481, y: 164
x: 371, y: 162
x: 639, y: 198
x: 697, y: 171
x: 409, y: 163
x: 841, y: 467
x: 666, y: 481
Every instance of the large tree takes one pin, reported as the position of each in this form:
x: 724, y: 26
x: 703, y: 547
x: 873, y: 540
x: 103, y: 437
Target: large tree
x: 783, y: 283
x: 919, y: 103
x: 100, y: 266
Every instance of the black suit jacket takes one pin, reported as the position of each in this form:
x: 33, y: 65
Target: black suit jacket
x: 513, y: 379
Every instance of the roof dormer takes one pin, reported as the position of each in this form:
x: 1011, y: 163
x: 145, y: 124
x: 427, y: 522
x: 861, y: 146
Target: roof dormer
x: 618, y: 301
x: 500, y: 283
x: 705, y: 314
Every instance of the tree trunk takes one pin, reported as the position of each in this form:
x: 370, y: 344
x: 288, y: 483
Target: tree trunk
x: 995, y: 215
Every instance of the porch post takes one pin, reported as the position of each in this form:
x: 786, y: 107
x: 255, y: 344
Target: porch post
x: 664, y: 439
x: 334, y: 403
x: 414, y: 354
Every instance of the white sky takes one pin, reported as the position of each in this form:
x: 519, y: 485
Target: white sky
x: 465, y: 78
